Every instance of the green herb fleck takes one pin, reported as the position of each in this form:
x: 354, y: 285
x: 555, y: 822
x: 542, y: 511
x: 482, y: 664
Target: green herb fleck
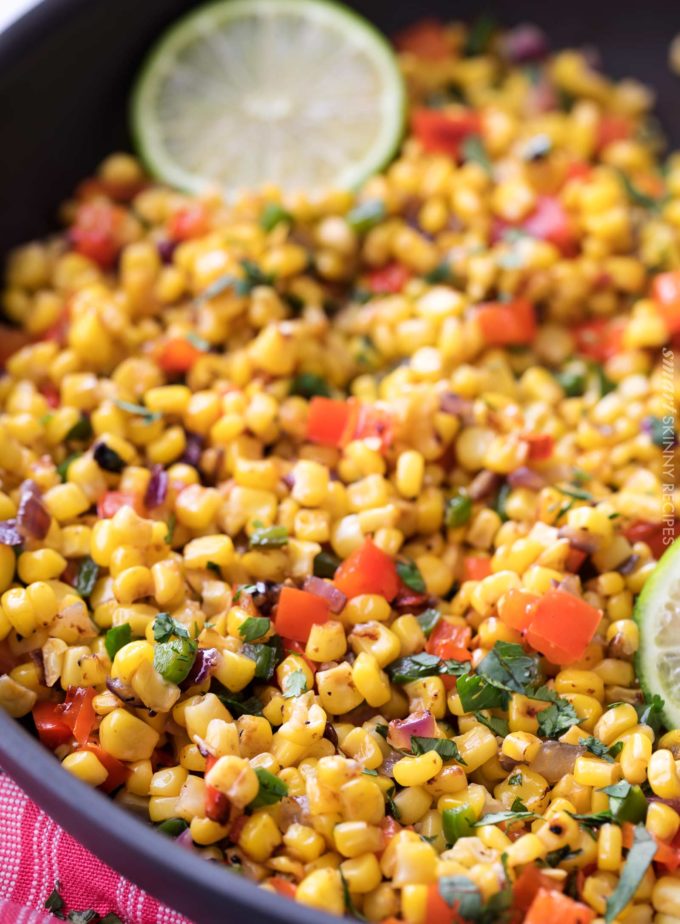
x: 62, y: 467
x: 272, y: 215
x: 116, y: 638
x: 637, y: 863
x: 295, y: 684
x: 457, y: 822
x: 411, y: 576
x: 428, y: 621
x: 473, y: 151
x: 309, y: 385
x: 138, y: 410
x: 81, y: 430
x: 458, y: 510
x: 271, y: 791
x: 445, y: 747
x: 254, y: 627
x: 88, y: 572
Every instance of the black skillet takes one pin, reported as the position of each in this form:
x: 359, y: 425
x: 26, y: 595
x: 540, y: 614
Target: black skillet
x: 65, y: 75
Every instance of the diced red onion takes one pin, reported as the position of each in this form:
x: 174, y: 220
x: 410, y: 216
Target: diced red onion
x: 451, y: 403
x: 33, y: 518
x: 186, y: 841
x: 410, y: 601
x: 124, y: 692
x: 420, y: 723
x: 157, y: 489
x: 525, y: 43
x: 166, y: 250
x: 335, y: 598
x: 392, y: 758
x: 204, y: 664
x: 483, y: 484
x: 525, y: 477
x: 570, y: 584
x: 194, y: 448
x: 671, y: 803
x: 36, y: 657
x: 9, y: 534
x: 578, y: 539
x: 556, y: 759
x: 629, y: 565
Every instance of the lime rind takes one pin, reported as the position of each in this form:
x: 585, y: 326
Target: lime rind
x: 353, y: 33
x: 657, y: 613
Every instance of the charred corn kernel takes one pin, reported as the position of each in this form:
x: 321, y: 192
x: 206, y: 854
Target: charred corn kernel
x: 234, y: 777
x: 353, y: 838
x: 414, y: 771
x: 634, y: 758
x: 322, y: 889
x: 86, y: 766
x: 337, y: 691
x: 591, y: 771
x: 377, y: 640
x: 362, y: 746
x: 362, y: 800
x: 587, y: 708
x: 609, y: 845
x: 126, y: 737
x: 662, y: 821
x: 326, y: 642
x: 559, y: 830
x: 260, y: 835
x: 587, y: 683
x: 662, y: 774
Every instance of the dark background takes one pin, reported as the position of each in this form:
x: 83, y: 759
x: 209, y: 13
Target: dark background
x: 67, y: 67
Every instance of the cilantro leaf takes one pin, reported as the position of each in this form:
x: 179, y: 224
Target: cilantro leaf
x: 266, y: 657
x: 445, y: 747
x: 309, y: 385
x: 458, y: 510
x: 81, y: 430
x: 254, y: 627
x: 164, y: 626
x: 239, y: 705
x: 596, y: 747
x: 139, y: 410
x: 272, y: 215
x: 558, y: 717
x: 116, y: 638
x: 476, y: 694
x: 272, y: 789
x: 651, y: 712
x: 461, y: 893
x: 637, y: 863
x: 414, y: 667
x: 295, y: 684
x: 499, y: 727
x: 508, y: 667
x: 496, y: 818
x: 347, y: 897
x: 174, y: 659
x: 392, y: 807
x: 428, y: 621
x: 411, y: 576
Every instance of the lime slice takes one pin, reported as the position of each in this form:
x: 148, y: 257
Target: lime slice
x: 301, y: 93
x: 657, y: 613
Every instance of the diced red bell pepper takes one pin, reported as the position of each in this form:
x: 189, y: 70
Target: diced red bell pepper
x: 281, y: 886
x: 668, y: 854
x: 11, y: 341
x: 178, y: 355
x: 58, y: 332
x: 189, y: 222
x: 217, y: 804
x: 541, y: 445
x: 550, y: 905
x: 50, y: 725
x: 476, y: 567
x: 599, y: 339
x: 450, y: 642
x: 112, y: 501
x: 563, y: 626
x: 289, y: 644
x: 78, y: 712
x: 550, y: 222
x: 331, y: 422
x: 516, y: 608
x: 117, y: 771
x: 507, y: 323
x: 96, y: 231
x: 666, y: 295
x: 50, y: 393
x: 389, y: 279
x: 658, y: 536
x: 390, y: 827
x: 527, y: 885
x: 425, y: 39
x: 368, y: 570
x: 574, y: 560
x: 612, y: 128
x: 442, y: 132
x: 579, y: 170
x: 297, y: 611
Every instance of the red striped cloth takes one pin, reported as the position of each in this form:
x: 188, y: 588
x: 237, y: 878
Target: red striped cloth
x: 35, y: 852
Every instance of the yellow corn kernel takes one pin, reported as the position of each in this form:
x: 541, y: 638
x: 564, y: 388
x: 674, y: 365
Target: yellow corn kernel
x: 614, y: 722
x: 204, y: 831
x: 126, y: 737
x: 662, y: 821
x: 139, y: 778
x: 303, y: 842
x: 414, y: 862
x: 376, y: 639
x: 559, y: 830
x: 42, y: 565
x: 362, y: 799
x: 129, y: 657
x: 322, y: 889
x: 415, y: 771
x: 666, y: 896
x: 371, y: 682
x: 326, y: 642
x: 195, y: 714
x: 591, y: 771
x: 476, y: 747
x: 352, y: 838
x: 337, y: 691
x: 168, y: 781
x: 521, y: 746
x: 260, y: 835
x: 409, y: 473
x: 86, y: 766
x: 414, y: 903
x: 526, y: 849
x: 587, y: 683
x: 609, y: 846
x: 362, y: 874
x: 234, y: 671
x: 234, y: 777
x: 662, y: 774
x: 634, y: 758
x: 66, y: 501
x: 216, y: 549
x: 196, y: 507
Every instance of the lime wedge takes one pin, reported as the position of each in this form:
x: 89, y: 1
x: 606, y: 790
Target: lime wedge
x: 301, y: 93
x: 657, y: 613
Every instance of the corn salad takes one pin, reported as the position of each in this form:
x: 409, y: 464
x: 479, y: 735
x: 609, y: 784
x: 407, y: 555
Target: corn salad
x: 323, y: 519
